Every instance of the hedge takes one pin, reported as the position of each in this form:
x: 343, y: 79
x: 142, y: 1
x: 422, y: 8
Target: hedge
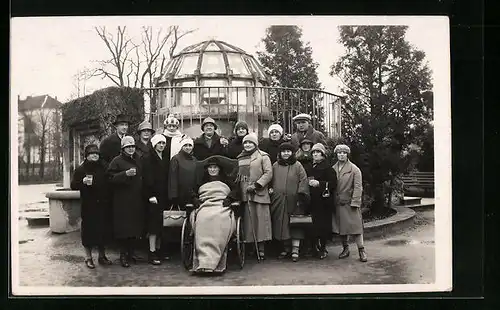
x: 100, y: 109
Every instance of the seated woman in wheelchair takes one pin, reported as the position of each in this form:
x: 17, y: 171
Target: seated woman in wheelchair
x: 213, y: 220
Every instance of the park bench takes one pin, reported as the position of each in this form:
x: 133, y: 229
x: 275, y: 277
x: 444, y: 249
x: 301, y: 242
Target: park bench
x: 421, y: 180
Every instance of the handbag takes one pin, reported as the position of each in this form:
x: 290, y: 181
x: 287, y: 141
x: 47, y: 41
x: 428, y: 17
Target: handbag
x: 300, y: 219
x: 326, y: 192
x: 173, y: 218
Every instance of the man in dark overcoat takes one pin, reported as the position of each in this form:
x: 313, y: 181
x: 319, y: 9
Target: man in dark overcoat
x: 110, y: 146
x: 209, y: 143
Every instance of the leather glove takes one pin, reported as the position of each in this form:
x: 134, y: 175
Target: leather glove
x: 196, y: 202
x: 251, y: 189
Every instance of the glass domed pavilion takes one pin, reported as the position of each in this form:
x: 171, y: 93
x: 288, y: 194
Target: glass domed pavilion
x: 216, y: 79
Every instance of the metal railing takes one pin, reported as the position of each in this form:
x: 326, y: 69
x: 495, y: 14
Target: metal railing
x: 259, y: 106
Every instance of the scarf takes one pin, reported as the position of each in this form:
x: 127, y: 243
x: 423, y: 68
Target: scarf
x: 170, y: 134
x: 244, y: 160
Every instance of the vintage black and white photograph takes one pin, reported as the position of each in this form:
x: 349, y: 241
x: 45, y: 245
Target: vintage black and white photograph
x: 210, y: 155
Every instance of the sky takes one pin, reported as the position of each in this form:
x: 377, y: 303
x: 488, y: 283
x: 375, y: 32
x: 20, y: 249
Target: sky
x: 47, y: 51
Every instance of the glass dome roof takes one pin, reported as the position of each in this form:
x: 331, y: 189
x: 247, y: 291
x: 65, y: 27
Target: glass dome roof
x: 213, y: 59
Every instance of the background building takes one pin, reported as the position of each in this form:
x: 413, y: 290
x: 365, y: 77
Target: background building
x: 39, y: 139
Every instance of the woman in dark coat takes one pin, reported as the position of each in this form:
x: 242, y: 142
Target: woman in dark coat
x: 182, y: 177
x: 155, y: 185
x: 235, y: 146
x: 91, y: 180
x: 271, y: 145
x: 126, y: 173
x: 322, y: 185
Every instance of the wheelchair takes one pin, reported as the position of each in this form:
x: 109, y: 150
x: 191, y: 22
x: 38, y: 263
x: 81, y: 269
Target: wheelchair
x: 236, y: 246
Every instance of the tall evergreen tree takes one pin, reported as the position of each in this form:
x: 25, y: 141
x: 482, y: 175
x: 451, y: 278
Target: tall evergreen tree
x: 387, y: 106
x: 289, y: 63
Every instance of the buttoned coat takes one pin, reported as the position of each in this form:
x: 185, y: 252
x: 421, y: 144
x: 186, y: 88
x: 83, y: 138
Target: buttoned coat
x: 261, y: 171
x: 348, y: 219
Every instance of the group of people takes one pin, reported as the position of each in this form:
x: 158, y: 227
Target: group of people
x: 127, y: 183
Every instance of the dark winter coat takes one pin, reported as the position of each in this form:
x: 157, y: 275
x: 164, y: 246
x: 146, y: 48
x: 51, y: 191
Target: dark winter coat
x: 155, y: 185
x: 311, y: 134
x: 142, y: 149
x: 182, y: 178
x: 290, y: 196
x: 95, y: 209
x: 128, y: 196
x: 271, y: 147
x: 305, y: 158
x: 235, y: 147
x: 109, y: 148
x: 322, y: 208
x: 201, y: 150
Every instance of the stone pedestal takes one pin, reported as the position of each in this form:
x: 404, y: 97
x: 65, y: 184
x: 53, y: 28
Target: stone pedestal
x: 64, y: 211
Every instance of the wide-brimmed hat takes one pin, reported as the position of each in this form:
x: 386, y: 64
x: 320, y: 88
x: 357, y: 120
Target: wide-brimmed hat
x: 121, y: 119
x: 227, y: 165
x: 208, y: 120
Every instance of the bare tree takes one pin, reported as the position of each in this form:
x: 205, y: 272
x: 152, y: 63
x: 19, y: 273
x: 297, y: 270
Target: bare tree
x: 80, y: 79
x: 137, y: 64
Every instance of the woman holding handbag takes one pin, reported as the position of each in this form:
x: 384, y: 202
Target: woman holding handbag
x: 255, y: 172
x: 155, y: 182
x: 322, y: 185
x: 289, y: 196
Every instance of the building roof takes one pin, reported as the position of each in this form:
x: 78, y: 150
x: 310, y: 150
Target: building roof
x: 211, y: 59
x: 37, y: 102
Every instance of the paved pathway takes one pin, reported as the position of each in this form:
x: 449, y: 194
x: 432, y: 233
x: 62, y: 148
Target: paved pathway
x: 47, y: 259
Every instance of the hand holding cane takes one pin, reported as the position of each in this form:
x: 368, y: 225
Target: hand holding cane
x: 253, y: 229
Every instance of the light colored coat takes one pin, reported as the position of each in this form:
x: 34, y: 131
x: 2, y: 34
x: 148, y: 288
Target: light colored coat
x: 261, y: 171
x: 347, y: 219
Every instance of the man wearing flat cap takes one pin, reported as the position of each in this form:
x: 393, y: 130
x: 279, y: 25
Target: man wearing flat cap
x: 110, y: 146
x: 306, y: 131
x: 209, y: 143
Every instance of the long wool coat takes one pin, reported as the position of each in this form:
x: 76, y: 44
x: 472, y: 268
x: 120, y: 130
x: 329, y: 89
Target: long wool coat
x: 142, y: 149
x: 322, y: 208
x: 95, y: 211
x: 155, y: 185
x: 128, y: 198
x: 289, y: 181
x: 182, y: 178
x: 257, y: 211
x: 348, y: 219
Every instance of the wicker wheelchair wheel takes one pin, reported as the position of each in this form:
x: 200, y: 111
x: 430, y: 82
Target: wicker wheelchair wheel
x: 240, y: 246
x: 187, y: 245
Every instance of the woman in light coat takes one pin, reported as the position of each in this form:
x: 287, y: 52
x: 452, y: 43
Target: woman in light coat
x: 255, y: 172
x: 348, y: 219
